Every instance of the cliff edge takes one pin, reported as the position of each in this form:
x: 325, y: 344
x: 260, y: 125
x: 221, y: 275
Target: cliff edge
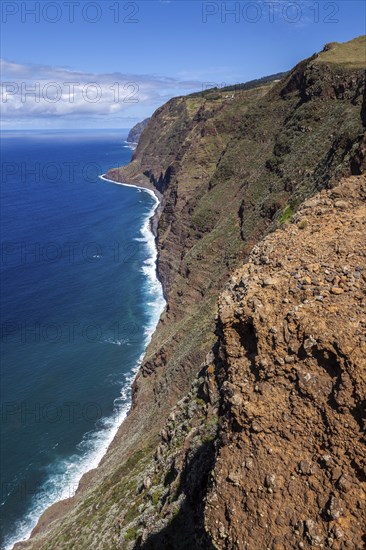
x: 290, y: 456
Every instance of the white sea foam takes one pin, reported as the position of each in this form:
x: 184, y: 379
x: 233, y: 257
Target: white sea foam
x: 128, y: 145
x: 65, y: 475
x: 116, y: 341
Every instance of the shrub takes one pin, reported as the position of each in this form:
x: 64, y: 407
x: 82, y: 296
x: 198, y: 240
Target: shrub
x: 286, y: 215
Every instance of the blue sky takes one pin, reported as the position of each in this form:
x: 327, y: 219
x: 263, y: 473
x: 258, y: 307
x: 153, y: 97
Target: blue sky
x: 110, y: 63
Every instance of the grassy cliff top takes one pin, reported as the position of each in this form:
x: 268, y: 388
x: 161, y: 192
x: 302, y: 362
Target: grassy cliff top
x: 351, y: 54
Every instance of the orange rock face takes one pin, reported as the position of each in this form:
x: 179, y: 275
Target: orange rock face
x: 290, y: 464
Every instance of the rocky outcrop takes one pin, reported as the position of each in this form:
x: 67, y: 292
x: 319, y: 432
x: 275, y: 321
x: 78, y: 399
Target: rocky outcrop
x: 290, y: 463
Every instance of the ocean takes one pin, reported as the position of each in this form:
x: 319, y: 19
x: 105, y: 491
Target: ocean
x: 79, y: 302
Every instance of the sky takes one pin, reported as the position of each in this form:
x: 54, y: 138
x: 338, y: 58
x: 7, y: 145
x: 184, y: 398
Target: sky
x: 111, y: 63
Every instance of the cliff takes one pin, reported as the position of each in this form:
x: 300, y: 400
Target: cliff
x: 267, y: 449
x: 290, y: 453
x: 231, y: 167
x: 135, y: 132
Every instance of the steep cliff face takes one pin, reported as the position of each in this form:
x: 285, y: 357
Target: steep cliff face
x: 267, y: 449
x: 290, y: 458
x: 230, y: 167
x: 135, y: 132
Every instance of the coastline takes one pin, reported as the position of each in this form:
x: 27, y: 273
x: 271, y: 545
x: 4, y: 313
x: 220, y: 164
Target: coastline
x: 151, y: 191
x: 114, y: 423
x: 154, y: 219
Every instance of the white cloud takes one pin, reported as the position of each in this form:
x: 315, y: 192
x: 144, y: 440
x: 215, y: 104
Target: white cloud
x: 39, y: 92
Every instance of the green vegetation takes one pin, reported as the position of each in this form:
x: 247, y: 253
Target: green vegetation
x: 133, y: 511
x: 252, y: 84
x: 286, y: 215
x: 156, y: 497
x: 351, y: 54
x: 131, y: 534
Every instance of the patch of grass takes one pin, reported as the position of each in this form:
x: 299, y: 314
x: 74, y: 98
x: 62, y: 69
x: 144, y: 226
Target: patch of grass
x: 286, y: 215
x: 156, y: 497
x: 133, y: 512
x: 351, y: 54
x: 131, y: 534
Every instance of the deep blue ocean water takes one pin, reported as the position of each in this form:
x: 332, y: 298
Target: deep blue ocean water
x: 79, y: 299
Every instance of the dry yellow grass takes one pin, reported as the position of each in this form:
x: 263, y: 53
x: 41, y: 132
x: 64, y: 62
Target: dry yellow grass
x: 351, y: 54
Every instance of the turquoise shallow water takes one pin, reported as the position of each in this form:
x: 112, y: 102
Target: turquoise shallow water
x: 79, y: 300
